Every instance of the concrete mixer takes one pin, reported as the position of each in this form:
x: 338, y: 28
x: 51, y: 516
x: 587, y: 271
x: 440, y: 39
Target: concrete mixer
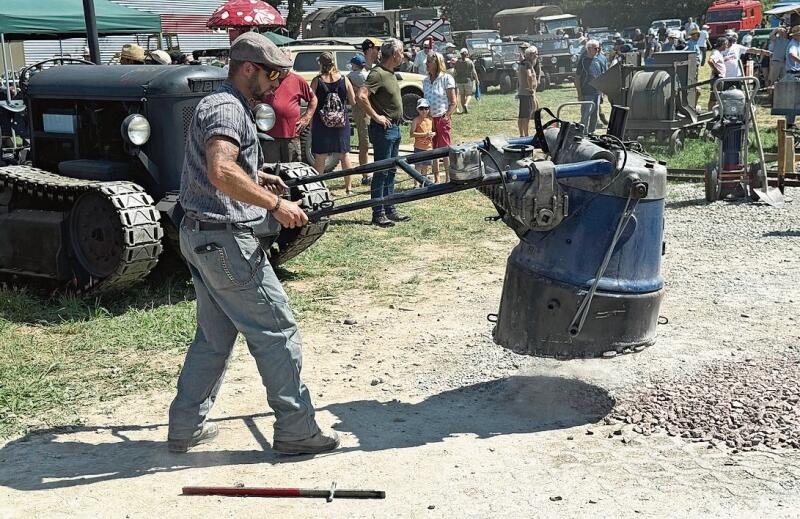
x: 661, y: 97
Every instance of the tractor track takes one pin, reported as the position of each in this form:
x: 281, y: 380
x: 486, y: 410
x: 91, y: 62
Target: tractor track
x: 139, y: 231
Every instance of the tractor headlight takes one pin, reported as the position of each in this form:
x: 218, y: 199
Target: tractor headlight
x: 554, y: 60
x: 574, y: 58
x: 136, y: 129
x: 265, y: 117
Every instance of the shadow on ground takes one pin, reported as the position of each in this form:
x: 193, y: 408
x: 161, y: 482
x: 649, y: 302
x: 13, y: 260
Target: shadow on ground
x: 66, y: 457
x: 514, y: 405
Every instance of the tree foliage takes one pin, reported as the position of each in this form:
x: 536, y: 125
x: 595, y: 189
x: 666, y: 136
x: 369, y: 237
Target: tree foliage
x: 295, y: 15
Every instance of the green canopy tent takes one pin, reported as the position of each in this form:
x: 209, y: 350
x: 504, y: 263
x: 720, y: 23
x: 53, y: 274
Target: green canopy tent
x: 55, y: 19
x: 277, y: 39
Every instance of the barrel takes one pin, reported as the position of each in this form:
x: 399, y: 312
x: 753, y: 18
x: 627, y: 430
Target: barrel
x: 550, y: 273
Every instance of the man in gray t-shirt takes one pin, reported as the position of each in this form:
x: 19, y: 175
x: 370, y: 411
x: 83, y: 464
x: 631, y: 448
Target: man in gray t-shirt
x: 224, y: 195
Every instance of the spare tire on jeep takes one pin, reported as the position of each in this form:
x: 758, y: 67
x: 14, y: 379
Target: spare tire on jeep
x: 410, y: 99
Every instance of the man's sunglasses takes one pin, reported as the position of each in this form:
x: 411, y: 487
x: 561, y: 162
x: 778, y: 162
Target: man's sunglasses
x: 272, y: 74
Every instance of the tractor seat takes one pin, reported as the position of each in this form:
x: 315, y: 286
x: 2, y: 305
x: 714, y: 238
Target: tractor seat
x: 94, y: 169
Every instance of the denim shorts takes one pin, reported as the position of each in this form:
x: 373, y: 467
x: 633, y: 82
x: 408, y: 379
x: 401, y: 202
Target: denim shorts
x: 426, y: 163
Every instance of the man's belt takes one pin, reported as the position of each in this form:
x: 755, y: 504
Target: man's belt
x: 203, y: 225
x: 395, y: 122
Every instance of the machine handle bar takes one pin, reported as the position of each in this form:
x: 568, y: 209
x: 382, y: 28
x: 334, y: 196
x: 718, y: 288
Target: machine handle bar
x: 595, y: 167
x: 715, y: 87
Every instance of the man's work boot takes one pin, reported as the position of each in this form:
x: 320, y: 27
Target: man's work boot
x: 381, y: 221
x: 204, y: 435
x: 320, y: 442
x: 398, y: 217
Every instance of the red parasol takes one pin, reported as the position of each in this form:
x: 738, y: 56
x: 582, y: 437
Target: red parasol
x: 245, y: 13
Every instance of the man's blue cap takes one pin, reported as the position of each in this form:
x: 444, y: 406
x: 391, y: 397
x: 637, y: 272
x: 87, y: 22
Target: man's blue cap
x: 358, y: 59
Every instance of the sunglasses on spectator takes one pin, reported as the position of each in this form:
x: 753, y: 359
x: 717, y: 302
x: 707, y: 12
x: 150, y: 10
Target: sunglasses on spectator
x: 424, y: 108
x: 272, y: 74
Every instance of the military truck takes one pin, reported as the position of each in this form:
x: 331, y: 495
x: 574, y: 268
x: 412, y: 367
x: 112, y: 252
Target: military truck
x: 525, y: 20
x: 345, y: 21
x: 98, y: 202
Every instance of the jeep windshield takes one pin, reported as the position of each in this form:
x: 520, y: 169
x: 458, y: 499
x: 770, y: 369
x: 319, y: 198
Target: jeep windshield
x: 552, y: 46
x: 727, y: 15
x: 669, y: 24
x: 506, y: 52
x: 478, y: 44
x: 552, y: 26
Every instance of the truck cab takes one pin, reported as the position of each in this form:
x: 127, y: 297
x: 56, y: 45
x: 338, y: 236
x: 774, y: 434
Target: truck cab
x: 738, y: 15
x: 525, y: 20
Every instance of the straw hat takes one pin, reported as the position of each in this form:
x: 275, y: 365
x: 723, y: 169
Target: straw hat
x: 132, y: 52
x: 160, y: 57
x: 795, y: 30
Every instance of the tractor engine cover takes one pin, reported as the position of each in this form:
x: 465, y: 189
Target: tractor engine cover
x: 551, y: 272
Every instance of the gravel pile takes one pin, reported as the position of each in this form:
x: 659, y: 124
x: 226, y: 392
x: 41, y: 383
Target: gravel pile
x: 743, y: 405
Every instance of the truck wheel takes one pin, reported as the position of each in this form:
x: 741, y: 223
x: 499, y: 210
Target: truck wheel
x: 308, y: 157
x: 410, y: 105
x: 506, y: 84
x: 544, y: 84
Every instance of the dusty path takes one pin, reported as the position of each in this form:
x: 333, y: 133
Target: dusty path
x: 450, y: 425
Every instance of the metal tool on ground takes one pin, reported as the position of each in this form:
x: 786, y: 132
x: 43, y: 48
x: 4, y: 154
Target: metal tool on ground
x: 584, y: 280
x: 329, y: 495
x: 733, y: 176
x: 765, y: 193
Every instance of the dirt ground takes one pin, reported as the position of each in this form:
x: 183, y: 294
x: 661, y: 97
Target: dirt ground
x: 451, y: 425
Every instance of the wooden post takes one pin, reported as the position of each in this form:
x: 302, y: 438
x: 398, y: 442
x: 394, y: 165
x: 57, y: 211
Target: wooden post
x: 788, y: 162
x: 781, y: 148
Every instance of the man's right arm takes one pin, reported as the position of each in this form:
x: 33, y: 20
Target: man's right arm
x: 363, y: 101
x: 225, y: 174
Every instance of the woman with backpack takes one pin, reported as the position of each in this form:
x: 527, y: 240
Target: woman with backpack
x: 330, y: 128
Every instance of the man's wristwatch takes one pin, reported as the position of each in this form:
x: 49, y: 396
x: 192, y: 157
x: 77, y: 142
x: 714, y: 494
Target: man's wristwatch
x: 277, y: 205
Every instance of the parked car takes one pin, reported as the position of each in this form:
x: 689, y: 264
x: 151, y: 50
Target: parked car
x: 670, y: 24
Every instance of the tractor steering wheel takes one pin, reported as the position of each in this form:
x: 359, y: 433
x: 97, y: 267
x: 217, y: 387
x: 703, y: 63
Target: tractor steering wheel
x: 24, y: 75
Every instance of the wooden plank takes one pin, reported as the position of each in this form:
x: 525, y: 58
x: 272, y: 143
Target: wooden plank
x: 781, y: 147
x: 788, y: 161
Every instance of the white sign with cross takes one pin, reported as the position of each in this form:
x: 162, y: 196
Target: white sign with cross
x: 428, y: 30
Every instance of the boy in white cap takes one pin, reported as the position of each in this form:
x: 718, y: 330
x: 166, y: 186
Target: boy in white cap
x: 422, y: 133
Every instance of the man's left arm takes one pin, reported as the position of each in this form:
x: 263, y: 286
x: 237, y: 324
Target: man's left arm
x: 308, y: 96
